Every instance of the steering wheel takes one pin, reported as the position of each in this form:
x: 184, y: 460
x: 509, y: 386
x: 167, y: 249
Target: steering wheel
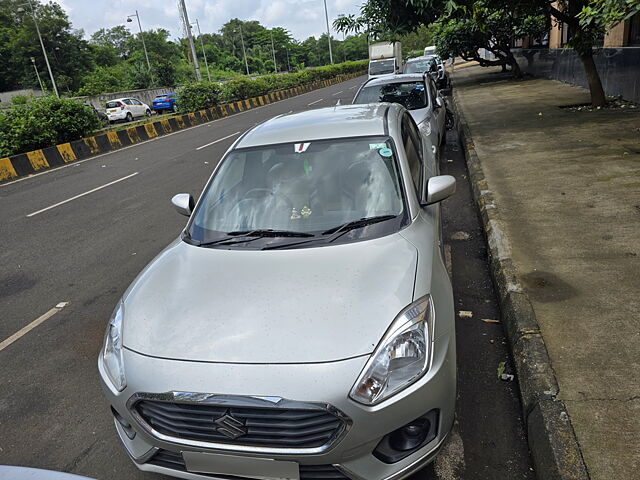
x: 263, y: 192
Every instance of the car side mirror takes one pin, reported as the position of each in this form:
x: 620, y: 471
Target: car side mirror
x: 184, y: 203
x: 439, y: 188
x: 438, y: 102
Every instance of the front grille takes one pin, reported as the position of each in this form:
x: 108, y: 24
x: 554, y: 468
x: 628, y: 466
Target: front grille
x: 253, y: 426
x: 174, y: 461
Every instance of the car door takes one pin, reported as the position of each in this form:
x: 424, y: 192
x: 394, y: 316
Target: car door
x: 129, y: 107
x: 137, y: 104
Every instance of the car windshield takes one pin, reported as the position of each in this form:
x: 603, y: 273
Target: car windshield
x: 382, y: 67
x: 300, y: 188
x: 113, y: 104
x: 411, y: 95
x: 419, y: 66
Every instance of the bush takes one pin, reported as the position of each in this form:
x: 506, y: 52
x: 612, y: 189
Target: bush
x: 197, y: 96
x: 44, y: 122
x: 204, y: 94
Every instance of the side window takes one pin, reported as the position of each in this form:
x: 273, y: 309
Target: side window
x: 413, y: 149
x: 136, y: 102
x: 127, y: 101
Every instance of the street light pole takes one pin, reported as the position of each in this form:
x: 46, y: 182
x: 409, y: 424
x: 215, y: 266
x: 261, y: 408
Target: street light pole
x: 273, y: 50
x: 144, y: 45
x: 288, y: 63
x: 44, y: 52
x: 33, y: 60
x: 206, y: 64
x: 246, y: 64
x: 187, y: 26
x: 326, y: 14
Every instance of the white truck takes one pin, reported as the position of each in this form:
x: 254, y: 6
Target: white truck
x: 385, y: 58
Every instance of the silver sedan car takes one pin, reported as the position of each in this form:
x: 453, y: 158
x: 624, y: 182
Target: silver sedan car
x: 302, y: 326
x: 418, y: 93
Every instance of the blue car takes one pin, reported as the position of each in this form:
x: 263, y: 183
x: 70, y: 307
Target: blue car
x: 165, y: 102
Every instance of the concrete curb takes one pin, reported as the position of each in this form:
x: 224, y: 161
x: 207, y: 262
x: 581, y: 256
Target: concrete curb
x: 25, y: 164
x: 554, y: 448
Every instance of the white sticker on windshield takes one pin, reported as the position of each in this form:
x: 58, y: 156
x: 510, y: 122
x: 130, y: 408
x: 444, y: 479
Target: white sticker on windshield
x: 385, y: 152
x: 377, y: 146
x: 301, y: 147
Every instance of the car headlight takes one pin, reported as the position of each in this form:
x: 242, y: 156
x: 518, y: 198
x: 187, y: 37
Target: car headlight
x: 112, y: 351
x: 402, y: 356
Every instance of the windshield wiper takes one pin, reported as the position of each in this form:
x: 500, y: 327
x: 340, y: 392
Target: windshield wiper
x: 335, y: 232
x: 247, y: 236
x: 362, y: 222
x: 269, y: 232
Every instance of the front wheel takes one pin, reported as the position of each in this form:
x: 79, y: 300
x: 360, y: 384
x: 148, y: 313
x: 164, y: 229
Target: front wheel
x: 147, y: 113
x: 449, y: 120
x: 129, y: 117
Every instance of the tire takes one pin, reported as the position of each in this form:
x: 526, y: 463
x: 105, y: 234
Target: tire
x: 129, y: 117
x: 147, y: 113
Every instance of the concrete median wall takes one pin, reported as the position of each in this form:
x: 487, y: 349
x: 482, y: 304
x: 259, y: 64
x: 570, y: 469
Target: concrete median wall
x: 26, y: 164
x: 145, y: 96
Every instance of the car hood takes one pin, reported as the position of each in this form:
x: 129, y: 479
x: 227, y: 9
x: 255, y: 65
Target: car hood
x: 419, y: 115
x: 303, y: 305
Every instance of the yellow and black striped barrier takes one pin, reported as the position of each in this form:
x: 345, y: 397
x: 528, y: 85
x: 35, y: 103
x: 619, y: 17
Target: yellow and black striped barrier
x: 25, y: 164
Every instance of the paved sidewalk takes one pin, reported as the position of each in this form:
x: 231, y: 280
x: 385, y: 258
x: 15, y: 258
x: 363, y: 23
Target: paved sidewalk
x: 567, y: 185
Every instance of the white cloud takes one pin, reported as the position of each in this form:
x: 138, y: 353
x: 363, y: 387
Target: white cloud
x: 303, y: 18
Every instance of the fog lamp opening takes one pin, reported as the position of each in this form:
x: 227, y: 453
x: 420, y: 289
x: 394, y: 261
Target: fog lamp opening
x: 408, y: 439
x: 126, y: 426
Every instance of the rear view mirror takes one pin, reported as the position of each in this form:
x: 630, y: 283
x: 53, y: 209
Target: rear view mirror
x: 439, y: 188
x: 184, y: 203
x: 438, y: 102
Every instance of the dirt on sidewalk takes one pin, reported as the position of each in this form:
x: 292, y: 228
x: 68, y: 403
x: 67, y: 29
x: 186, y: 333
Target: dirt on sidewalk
x: 567, y: 183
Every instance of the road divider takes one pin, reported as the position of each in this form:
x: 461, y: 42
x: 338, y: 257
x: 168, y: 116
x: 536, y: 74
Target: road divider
x: 217, y: 141
x: 81, y: 195
x: 25, y: 164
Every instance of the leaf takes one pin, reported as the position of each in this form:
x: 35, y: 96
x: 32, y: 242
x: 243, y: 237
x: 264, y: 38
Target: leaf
x: 501, y: 368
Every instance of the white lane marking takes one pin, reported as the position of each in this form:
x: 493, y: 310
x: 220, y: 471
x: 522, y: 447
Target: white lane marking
x: 447, y: 260
x: 23, y: 331
x: 313, y: 103
x: 208, y: 124
x: 217, y: 141
x: 82, y: 194
x: 337, y: 93
x: 355, y: 86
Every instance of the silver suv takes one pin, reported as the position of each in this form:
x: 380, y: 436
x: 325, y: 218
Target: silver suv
x: 302, y: 326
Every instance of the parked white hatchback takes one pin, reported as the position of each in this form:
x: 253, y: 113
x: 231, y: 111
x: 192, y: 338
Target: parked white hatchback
x: 302, y: 326
x: 126, y: 109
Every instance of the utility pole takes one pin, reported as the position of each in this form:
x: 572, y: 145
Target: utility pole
x: 326, y: 14
x: 33, y: 60
x: 288, y: 63
x: 273, y: 50
x: 44, y: 52
x: 246, y: 64
x: 206, y: 64
x: 144, y: 45
x: 187, y: 25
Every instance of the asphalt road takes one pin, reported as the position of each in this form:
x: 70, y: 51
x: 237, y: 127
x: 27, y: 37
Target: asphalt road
x: 80, y: 234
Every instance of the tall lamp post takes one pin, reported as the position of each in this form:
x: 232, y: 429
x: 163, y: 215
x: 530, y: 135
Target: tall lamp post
x: 33, y: 60
x: 273, y: 50
x: 206, y: 64
x: 326, y: 14
x: 44, y: 52
x: 144, y: 46
x: 246, y: 64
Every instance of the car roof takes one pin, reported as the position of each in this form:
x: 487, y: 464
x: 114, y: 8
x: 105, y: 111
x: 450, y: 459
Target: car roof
x: 325, y: 123
x: 421, y: 58
x: 398, y: 78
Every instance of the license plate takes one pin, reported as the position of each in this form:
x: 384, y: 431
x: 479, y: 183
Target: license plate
x: 248, y: 467
x: 113, y: 110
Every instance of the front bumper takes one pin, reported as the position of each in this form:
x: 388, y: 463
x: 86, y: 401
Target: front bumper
x: 329, y: 383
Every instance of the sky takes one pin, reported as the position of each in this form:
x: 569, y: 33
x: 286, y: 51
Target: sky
x: 303, y: 18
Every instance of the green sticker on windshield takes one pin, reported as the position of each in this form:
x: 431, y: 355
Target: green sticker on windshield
x: 385, y: 152
x: 377, y: 146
